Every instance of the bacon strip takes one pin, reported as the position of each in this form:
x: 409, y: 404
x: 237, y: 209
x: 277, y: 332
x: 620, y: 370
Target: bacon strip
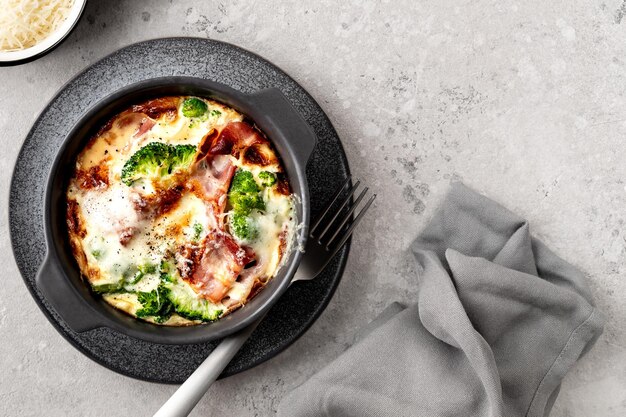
x: 142, y: 122
x: 209, y: 180
x: 96, y: 177
x: 158, y: 107
x: 72, y: 218
x: 212, y: 268
x: 235, y: 138
x: 144, y: 126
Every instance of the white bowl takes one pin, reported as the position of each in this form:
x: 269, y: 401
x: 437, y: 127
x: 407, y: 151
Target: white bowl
x: 46, y: 45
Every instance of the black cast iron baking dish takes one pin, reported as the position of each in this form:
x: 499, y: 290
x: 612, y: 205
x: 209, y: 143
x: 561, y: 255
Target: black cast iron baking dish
x: 59, y: 277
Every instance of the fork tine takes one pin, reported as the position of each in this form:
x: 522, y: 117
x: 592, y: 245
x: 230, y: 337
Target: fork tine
x: 347, y: 217
x: 354, y: 223
x: 338, y: 211
x: 328, y: 207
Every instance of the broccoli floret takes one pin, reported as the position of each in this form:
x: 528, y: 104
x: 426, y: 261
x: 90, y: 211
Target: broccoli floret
x: 156, y: 160
x: 216, y: 113
x: 132, y: 274
x: 245, y: 203
x: 242, y: 226
x: 135, y: 274
x: 150, y: 161
x: 204, y: 314
x: 108, y: 288
x: 165, y: 272
x: 197, y: 230
x: 188, y: 305
x: 244, y: 195
x: 181, y: 156
x: 267, y: 178
x: 243, y: 182
x: 147, y: 268
x: 155, y: 303
x: 98, y: 247
x: 194, y: 107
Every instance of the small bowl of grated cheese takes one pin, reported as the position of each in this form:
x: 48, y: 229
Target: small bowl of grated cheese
x: 31, y: 28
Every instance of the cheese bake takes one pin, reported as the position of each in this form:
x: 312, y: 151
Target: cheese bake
x: 179, y: 211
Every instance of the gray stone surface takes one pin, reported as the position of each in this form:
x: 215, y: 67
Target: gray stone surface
x: 524, y: 101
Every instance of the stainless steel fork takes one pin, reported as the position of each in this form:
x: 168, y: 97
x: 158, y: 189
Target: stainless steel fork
x: 326, y: 237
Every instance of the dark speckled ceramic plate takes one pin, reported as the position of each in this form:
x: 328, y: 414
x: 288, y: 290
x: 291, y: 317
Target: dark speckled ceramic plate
x: 327, y: 169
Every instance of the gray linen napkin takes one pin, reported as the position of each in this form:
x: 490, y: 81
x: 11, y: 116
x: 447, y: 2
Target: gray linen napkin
x: 498, y: 322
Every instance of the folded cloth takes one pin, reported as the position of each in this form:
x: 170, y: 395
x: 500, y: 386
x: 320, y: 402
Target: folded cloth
x: 498, y: 322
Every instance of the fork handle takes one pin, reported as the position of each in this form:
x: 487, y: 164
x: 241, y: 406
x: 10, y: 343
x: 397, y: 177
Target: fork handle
x: 193, y: 389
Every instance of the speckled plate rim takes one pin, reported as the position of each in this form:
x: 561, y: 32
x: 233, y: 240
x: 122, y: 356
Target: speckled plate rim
x: 339, y: 262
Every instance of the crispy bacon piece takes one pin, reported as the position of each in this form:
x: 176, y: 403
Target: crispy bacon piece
x: 258, y: 155
x: 209, y: 181
x: 126, y: 234
x: 213, y: 267
x: 142, y: 122
x: 250, y: 284
x: 206, y: 144
x: 235, y: 138
x: 73, y: 219
x: 282, y: 185
x: 96, y: 177
x: 158, y: 107
x: 144, y: 126
x: 158, y: 203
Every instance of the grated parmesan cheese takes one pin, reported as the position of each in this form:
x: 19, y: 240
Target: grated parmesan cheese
x: 25, y: 23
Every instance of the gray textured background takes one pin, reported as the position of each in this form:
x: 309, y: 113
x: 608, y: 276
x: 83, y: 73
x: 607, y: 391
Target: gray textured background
x: 524, y: 101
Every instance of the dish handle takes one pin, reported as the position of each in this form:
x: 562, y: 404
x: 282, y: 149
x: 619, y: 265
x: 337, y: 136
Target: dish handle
x: 64, y: 297
x: 279, y: 111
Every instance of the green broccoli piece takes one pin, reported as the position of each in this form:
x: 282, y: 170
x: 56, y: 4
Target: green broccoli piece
x: 197, y: 230
x: 202, y: 314
x: 242, y: 226
x: 155, y: 303
x: 181, y: 156
x: 165, y: 272
x: 216, y: 113
x: 245, y: 203
x: 133, y: 274
x: 147, y: 269
x: 194, y: 107
x: 244, y: 195
x: 243, y: 182
x: 110, y: 288
x: 188, y: 305
x: 156, y: 160
x: 267, y: 178
x: 98, y: 247
x: 150, y: 161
